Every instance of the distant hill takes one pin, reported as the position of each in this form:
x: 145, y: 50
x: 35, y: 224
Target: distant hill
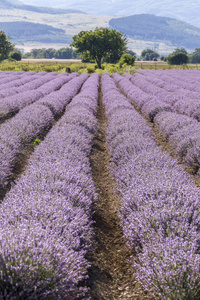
x: 11, y: 4
x: 21, y: 32
x: 63, y: 24
x: 152, y: 28
x: 188, y: 11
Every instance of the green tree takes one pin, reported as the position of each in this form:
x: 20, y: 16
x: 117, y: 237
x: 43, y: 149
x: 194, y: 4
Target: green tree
x: 131, y: 53
x: 126, y: 59
x: 195, y: 56
x: 99, y: 43
x: 16, y: 55
x: 180, y: 50
x: 177, y: 59
x: 5, y: 45
x: 149, y: 54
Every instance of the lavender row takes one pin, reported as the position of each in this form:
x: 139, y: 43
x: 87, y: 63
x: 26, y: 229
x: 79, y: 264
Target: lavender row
x: 187, y: 80
x: 57, y: 100
x: 9, y: 91
x: 177, y: 87
x: 160, y: 209
x: 32, y: 92
x: 29, y: 123
x: 177, y: 93
x: 182, y: 132
x: 6, y: 77
x: 183, y: 135
x: 45, y: 220
x: 16, y: 83
x: 150, y: 105
x: 25, y: 83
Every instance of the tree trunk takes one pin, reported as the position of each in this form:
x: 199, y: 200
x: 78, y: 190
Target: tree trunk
x: 99, y: 63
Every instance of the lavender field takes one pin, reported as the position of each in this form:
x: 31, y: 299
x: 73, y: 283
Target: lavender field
x: 50, y: 127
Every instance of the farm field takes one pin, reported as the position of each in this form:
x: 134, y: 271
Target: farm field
x: 100, y: 185
x: 64, y: 65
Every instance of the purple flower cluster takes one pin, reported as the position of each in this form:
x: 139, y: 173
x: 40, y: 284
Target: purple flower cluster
x: 150, y: 105
x: 160, y: 209
x: 31, y: 92
x: 27, y: 81
x: 57, y: 100
x: 45, y: 219
x: 181, y: 131
x: 29, y: 123
x: 13, y: 87
x: 183, y: 134
x: 176, y: 88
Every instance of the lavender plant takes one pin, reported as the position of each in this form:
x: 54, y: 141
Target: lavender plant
x: 46, y: 217
x: 160, y: 205
x: 30, y: 122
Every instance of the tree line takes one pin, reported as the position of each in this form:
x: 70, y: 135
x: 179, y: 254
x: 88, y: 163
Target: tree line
x: 62, y: 53
x: 177, y: 57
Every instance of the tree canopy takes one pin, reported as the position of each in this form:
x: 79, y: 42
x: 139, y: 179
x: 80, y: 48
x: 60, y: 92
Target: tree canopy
x: 5, y: 45
x: 177, y: 58
x: 149, y: 54
x: 100, y: 43
x: 195, y: 56
x: 180, y: 50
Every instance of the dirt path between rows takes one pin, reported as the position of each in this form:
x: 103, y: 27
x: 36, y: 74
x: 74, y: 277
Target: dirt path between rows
x: 111, y: 275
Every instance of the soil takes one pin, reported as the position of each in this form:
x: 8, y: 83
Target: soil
x: 111, y: 275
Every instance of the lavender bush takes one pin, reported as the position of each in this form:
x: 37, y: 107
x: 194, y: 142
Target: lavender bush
x: 12, y: 104
x: 46, y: 217
x: 179, y: 89
x: 150, y: 106
x: 180, y: 130
x: 57, y: 100
x: 160, y: 205
x: 28, y: 124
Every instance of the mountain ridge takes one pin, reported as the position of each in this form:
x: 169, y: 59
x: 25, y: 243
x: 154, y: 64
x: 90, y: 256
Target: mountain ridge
x: 151, y: 27
x: 184, y: 10
x: 15, y: 4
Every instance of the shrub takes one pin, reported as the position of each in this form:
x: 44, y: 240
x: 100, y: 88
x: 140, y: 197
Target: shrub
x: 126, y: 59
x: 16, y: 55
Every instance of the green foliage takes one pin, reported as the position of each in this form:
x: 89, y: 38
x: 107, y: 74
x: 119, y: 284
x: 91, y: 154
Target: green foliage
x: 153, y: 28
x: 99, y: 43
x: 195, y: 56
x: 36, y: 142
x: 180, y: 50
x: 112, y: 58
x: 62, y: 53
x: 131, y: 53
x: 149, y: 54
x: 5, y: 45
x: 90, y: 69
x: 126, y: 59
x: 163, y: 58
x: 177, y: 59
x: 16, y: 55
